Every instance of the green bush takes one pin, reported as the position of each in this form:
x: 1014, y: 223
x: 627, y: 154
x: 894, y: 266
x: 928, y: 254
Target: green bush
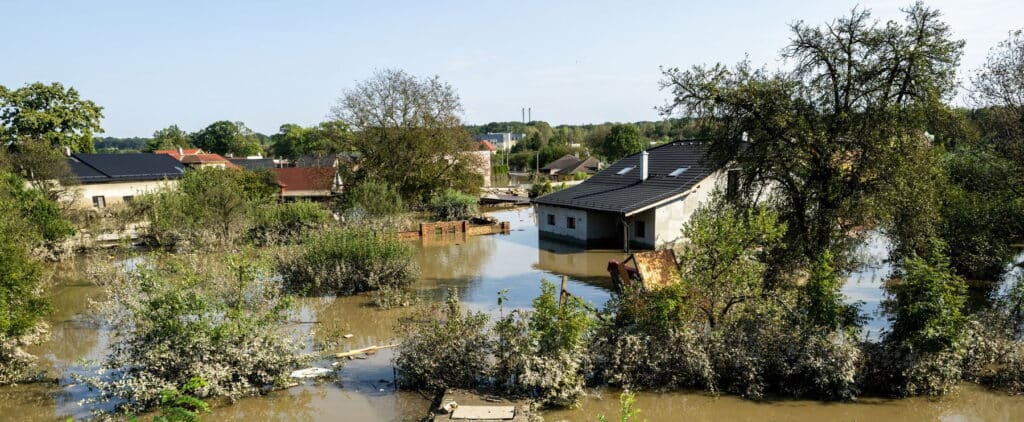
x: 450, y: 349
x: 452, y: 205
x: 287, y: 222
x: 186, y: 317
x: 349, y: 261
x: 539, y: 189
x: 373, y: 199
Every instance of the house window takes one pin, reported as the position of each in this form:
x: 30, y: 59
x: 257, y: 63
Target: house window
x: 128, y: 198
x: 639, y: 229
x: 732, y: 188
x: 570, y: 222
x: 99, y: 201
x: 551, y: 219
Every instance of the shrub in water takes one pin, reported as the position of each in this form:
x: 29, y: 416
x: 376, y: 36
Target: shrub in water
x: 287, y: 222
x: 452, y: 205
x: 349, y: 261
x: 175, y: 320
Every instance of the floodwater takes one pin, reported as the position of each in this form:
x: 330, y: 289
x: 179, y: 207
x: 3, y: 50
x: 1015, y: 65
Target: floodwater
x: 478, y: 267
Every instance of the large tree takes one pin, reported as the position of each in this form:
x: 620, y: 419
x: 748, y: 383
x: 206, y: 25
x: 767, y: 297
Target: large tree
x: 225, y: 137
x: 50, y: 114
x: 170, y: 137
x: 293, y: 141
x: 622, y: 140
x: 826, y: 133
x: 408, y: 133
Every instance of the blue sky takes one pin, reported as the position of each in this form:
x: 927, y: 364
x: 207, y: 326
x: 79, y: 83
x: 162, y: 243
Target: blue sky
x: 267, y: 63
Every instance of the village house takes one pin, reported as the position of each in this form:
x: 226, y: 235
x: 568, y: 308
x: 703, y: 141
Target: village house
x: 197, y: 158
x: 108, y: 179
x: 313, y: 183
x: 502, y: 141
x: 566, y: 168
x: 640, y: 201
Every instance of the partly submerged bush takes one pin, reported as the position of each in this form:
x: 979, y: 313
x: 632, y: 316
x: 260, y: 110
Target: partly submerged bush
x: 349, y: 261
x: 287, y: 222
x: 373, y: 199
x: 446, y: 349
x: 452, y: 205
x: 175, y: 319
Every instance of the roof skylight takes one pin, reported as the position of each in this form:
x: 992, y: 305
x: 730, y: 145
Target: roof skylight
x: 625, y: 170
x: 678, y: 171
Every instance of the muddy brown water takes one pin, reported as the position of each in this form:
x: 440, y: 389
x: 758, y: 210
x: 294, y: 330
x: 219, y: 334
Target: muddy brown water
x: 478, y: 267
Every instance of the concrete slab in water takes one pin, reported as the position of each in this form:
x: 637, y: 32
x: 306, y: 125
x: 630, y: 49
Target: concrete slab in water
x: 484, y: 413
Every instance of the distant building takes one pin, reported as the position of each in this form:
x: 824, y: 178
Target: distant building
x: 486, y: 146
x: 315, y: 183
x: 642, y: 200
x: 108, y: 179
x: 254, y: 163
x: 502, y: 141
x: 197, y: 158
x: 568, y: 166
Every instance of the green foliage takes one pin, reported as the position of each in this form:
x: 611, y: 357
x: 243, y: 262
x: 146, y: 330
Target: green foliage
x: 225, y: 137
x: 407, y: 133
x: 539, y: 189
x: 374, y: 199
x: 552, y: 370
x: 821, y: 300
x: 627, y: 408
x: 293, y: 141
x: 449, y: 350
x: 179, y: 405
x: 720, y: 263
x: 452, y: 205
x: 178, y: 318
x: 170, y: 137
x: 921, y: 353
x: 828, y: 134
x: 42, y: 214
x: 209, y: 205
x: 349, y: 261
x: 48, y: 114
x: 622, y: 140
x: 287, y: 222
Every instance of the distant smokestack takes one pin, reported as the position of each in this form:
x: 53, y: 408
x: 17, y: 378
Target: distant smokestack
x: 643, y: 166
x: 529, y: 114
x: 524, y: 114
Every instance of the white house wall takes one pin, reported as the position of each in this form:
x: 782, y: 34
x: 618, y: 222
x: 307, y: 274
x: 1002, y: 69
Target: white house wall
x: 114, y: 193
x: 560, y: 228
x: 670, y: 218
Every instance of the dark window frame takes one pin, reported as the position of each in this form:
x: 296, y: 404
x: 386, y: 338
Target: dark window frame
x: 570, y: 222
x: 551, y: 219
x: 99, y: 201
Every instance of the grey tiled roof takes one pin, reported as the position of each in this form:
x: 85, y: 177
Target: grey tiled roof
x: 253, y: 163
x: 611, y: 192
x: 102, y: 168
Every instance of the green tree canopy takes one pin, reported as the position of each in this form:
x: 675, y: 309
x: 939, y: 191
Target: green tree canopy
x: 225, y: 137
x: 408, y: 134
x: 293, y: 141
x: 828, y: 132
x: 622, y: 140
x: 51, y: 114
x: 170, y: 137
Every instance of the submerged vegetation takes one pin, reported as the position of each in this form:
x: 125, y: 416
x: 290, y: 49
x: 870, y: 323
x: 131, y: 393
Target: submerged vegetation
x: 178, y: 318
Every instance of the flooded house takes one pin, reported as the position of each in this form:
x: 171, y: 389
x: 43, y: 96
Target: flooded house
x: 107, y: 179
x: 640, y: 201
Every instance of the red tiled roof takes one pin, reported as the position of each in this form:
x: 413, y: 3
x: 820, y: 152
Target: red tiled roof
x: 485, y: 145
x: 174, y: 153
x: 305, y: 178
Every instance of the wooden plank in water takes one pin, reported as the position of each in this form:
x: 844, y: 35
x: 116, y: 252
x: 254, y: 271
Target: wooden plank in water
x: 484, y: 413
x: 657, y: 268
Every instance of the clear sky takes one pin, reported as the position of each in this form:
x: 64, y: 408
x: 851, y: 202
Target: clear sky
x: 267, y: 63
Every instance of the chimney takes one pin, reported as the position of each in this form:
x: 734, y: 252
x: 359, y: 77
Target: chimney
x: 744, y: 137
x: 643, y: 166
x: 67, y: 151
x: 181, y: 151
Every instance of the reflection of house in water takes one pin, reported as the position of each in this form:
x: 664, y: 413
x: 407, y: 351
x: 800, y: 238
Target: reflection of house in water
x: 575, y: 261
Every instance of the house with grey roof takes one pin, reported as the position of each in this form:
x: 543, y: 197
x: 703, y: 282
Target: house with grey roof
x: 566, y: 167
x: 640, y: 201
x: 107, y: 179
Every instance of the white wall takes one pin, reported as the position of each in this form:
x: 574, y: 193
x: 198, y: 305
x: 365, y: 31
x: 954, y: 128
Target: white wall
x: 670, y: 218
x: 114, y: 193
x: 560, y: 229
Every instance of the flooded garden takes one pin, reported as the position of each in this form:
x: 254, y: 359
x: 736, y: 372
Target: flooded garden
x: 478, y: 268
